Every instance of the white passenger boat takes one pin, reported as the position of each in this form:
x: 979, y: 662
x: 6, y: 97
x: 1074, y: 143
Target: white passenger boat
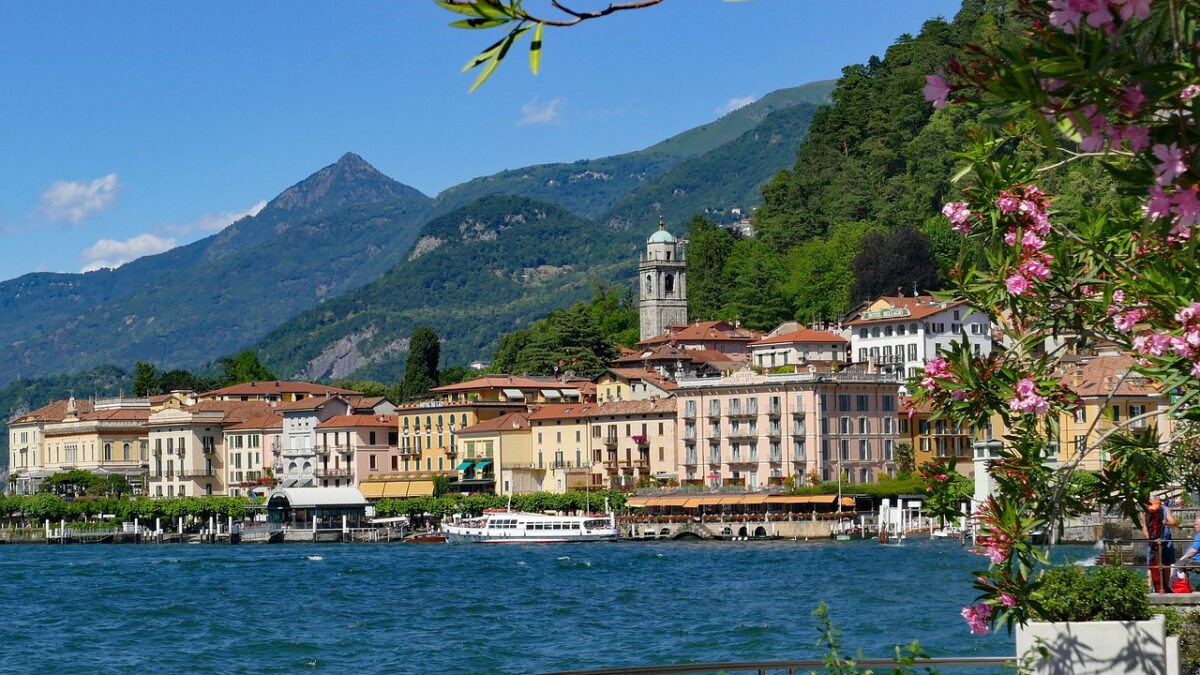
x: 518, y: 527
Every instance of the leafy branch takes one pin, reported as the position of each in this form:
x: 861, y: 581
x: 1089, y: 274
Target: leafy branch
x: 484, y: 14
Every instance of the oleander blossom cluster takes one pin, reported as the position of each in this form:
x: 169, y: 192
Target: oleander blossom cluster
x: 978, y: 617
x: 1027, y: 399
x: 1154, y: 343
x: 1070, y: 15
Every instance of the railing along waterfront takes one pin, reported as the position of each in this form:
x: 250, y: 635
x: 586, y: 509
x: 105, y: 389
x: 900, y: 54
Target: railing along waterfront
x: 790, y: 667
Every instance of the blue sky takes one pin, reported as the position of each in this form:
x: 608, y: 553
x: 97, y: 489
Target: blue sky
x: 131, y: 126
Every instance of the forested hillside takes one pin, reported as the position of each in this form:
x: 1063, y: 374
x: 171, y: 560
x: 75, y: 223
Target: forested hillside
x: 857, y: 215
x: 491, y: 267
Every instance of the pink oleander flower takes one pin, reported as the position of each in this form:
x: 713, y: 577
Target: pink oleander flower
x: 1196, y: 369
x: 938, y: 367
x: 936, y: 90
x: 1159, y: 204
x: 1153, y: 345
x: 1097, y: 13
x: 1007, y: 203
x: 1031, y: 240
x: 977, y: 617
x: 958, y: 395
x: 959, y: 215
x: 1010, y: 237
x: 1186, y: 315
x: 1017, y: 284
x: 1189, y: 92
x: 1065, y: 14
x: 1181, y: 347
x: 1186, y: 206
x: 1133, y: 9
x: 1171, y: 163
x: 1132, y: 99
x: 1118, y: 296
x: 1126, y: 322
x: 1035, y: 268
x: 1007, y: 599
x: 995, y: 554
x: 1137, y: 137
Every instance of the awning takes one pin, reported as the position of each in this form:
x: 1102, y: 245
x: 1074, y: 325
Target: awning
x: 483, y: 464
x: 464, y: 465
x: 514, y: 394
x: 420, y: 488
x: 395, y: 489
x: 571, y: 393
x: 637, y: 502
x: 373, y: 490
x: 552, y: 394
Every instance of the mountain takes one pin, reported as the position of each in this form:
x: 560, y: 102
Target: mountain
x: 337, y: 229
x: 483, y: 270
x: 347, y: 224
x: 592, y: 187
x: 730, y: 175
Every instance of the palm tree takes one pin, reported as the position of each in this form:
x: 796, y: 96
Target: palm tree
x: 12, y: 482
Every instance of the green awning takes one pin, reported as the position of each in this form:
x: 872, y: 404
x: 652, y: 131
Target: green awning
x: 484, y: 463
x: 464, y: 465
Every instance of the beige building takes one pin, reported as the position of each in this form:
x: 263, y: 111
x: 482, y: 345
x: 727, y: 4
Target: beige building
x: 559, y: 446
x: 110, y: 438
x: 632, y: 384
x: 799, y: 347
x: 633, y: 440
x: 496, y: 455
x: 189, y: 454
x: 754, y: 431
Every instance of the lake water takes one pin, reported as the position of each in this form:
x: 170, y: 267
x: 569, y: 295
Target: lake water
x: 437, y: 608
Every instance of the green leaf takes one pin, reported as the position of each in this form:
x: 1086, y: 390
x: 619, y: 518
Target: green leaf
x: 486, y: 9
x: 479, y: 23
x: 535, y: 50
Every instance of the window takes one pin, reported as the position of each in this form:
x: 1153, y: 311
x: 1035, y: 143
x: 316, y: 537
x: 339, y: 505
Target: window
x: 864, y: 425
x: 862, y: 354
x: 874, y: 331
x: 370, y: 438
x: 912, y: 352
x: 373, y: 463
x: 862, y: 332
x: 108, y: 452
x: 889, y: 403
x: 845, y: 449
x: 863, y: 401
x: 844, y: 402
x: 125, y: 452
x: 1116, y: 413
x: 900, y: 329
x: 864, y: 449
x: 846, y: 426
x: 887, y: 331
x: 1080, y: 415
x: 956, y: 315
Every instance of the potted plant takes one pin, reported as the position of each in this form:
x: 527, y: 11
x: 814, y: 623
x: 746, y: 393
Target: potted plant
x: 1094, y: 620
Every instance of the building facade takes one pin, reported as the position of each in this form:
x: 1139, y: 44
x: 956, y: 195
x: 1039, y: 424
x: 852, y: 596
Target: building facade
x: 900, y: 334
x: 754, y: 431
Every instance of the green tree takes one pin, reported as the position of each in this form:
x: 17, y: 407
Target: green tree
x: 756, y: 297
x: 819, y: 273
x: 708, y: 251
x: 245, y: 367
x: 183, y: 380
x: 421, y: 367
x: 145, y: 379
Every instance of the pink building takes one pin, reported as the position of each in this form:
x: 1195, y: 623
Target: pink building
x: 351, y: 448
x: 755, y: 431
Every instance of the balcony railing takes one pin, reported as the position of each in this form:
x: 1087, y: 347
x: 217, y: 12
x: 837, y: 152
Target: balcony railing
x: 610, y: 441
x: 333, y: 473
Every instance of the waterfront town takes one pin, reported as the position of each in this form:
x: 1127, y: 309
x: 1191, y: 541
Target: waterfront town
x: 698, y: 406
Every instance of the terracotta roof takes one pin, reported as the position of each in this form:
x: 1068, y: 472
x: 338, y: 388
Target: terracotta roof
x: 645, y: 374
x: 1096, y: 376
x: 651, y: 406
x: 509, y: 422
x: 367, y: 401
x: 672, y: 353
x: 506, y: 382
x: 361, y: 421
x: 802, y: 335
x: 264, y: 422
x: 310, y: 403
x: 54, y: 411
x: 703, y: 331
x: 918, y: 308
x: 135, y: 415
x: 556, y: 411
x: 277, y: 388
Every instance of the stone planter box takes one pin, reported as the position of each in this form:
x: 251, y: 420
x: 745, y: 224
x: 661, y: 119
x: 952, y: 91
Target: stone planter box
x: 1100, y: 647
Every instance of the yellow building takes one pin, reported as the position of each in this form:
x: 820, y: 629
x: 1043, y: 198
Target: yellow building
x: 276, y: 391
x: 111, y: 438
x: 496, y: 456
x: 559, y: 460
x: 1112, y: 395
x: 632, y: 384
x: 530, y: 391
x: 428, y: 444
x: 933, y: 440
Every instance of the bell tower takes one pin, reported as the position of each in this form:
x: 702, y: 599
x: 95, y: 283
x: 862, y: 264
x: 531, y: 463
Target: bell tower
x: 662, y: 281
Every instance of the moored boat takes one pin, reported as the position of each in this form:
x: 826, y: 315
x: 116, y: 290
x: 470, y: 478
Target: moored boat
x: 517, y: 527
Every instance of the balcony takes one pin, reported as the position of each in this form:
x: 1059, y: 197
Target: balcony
x: 689, y: 460
x: 774, y: 409
x: 333, y: 473
x: 743, y: 432
x: 610, y: 441
x: 689, y: 413
x: 738, y: 412
x: 643, y: 464
x: 641, y: 441
x: 776, y: 457
x: 774, y: 432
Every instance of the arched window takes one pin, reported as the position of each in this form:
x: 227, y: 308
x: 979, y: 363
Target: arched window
x: 125, y: 452
x: 862, y: 332
x: 887, y: 331
x: 670, y: 284
x: 439, y: 420
x: 874, y: 331
x: 464, y: 420
x: 108, y: 452
x: 900, y: 329
x: 649, y: 284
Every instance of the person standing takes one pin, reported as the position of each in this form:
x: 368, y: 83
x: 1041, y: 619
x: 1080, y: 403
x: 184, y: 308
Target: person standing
x: 1160, y: 550
x: 1190, y: 560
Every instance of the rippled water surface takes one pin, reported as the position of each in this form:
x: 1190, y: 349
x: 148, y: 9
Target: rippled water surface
x: 437, y: 608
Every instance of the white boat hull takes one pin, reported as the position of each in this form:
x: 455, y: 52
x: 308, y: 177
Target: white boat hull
x: 510, y: 527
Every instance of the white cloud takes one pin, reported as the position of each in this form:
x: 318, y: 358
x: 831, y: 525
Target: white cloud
x: 113, y: 253
x: 212, y: 222
x: 532, y: 113
x: 735, y: 103
x: 77, y: 201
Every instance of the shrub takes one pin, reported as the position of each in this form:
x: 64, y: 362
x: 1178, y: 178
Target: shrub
x: 1072, y: 593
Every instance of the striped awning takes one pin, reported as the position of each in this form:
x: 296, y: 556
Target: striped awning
x: 696, y: 501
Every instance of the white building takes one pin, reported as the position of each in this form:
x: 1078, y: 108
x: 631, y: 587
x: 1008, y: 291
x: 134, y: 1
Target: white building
x: 297, y: 464
x: 900, y: 334
x: 798, y: 347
